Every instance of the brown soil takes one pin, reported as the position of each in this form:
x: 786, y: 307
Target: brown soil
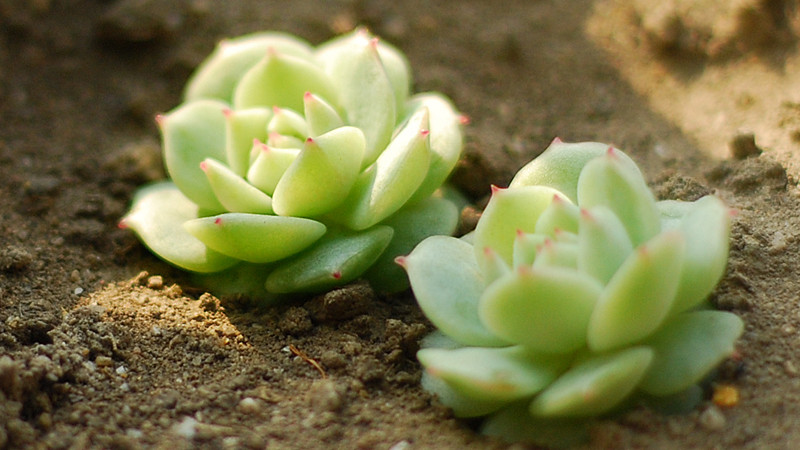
x: 94, y: 353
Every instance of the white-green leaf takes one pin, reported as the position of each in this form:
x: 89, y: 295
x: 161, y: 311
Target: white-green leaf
x: 320, y: 116
x: 557, y: 254
x: 321, y: 176
x: 281, y: 80
x: 560, y: 165
x: 487, y: 374
x: 561, y: 215
x: 638, y: 297
x: 256, y: 238
x: 235, y: 194
x: 514, y: 424
x: 288, y: 124
x: 387, y: 185
x: 603, y: 243
x: 157, y: 216
x: 461, y: 405
x: 191, y: 133
x: 594, y: 386
x: 337, y: 259
x: 526, y: 246
x: 509, y: 211
x: 448, y: 284
x: 544, y: 309
x: 688, y: 347
x: 242, y: 127
x: 610, y: 181
x: 218, y: 75
x: 269, y: 166
x: 412, y: 224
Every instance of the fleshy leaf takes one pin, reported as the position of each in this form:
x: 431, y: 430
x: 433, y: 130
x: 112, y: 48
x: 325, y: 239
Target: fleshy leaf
x: 461, y: 405
x: 281, y: 80
x: 557, y: 254
x: 387, y: 185
x: 269, y: 166
x: 339, y: 258
x: 446, y: 141
x: 560, y: 165
x: 191, y: 133
x: 506, y: 374
x: 707, y: 230
x: 609, y: 181
x: 366, y: 94
x: 562, y: 215
x: 604, y: 243
x: 287, y: 122
x: 545, y: 309
x: 242, y: 280
x: 157, y: 216
x: 256, y: 238
x: 594, y: 386
x: 526, y: 246
x: 688, y: 347
x: 514, y: 423
x: 495, y: 267
x: 412, y: 224
x: 638, y: 297
x: 320, y: 116
x: 218, y: 75
x: 508, y: 211
x: 235, y: 194
x: 447, y: 283
x: 322, y: 175
x: 242, y: 127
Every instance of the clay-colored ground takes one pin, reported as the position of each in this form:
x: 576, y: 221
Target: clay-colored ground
x: 94, y: 355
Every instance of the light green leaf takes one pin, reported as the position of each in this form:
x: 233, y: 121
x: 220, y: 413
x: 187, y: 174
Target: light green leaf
x: 157, y: 216
x: 486, y: 374
x: 448, y: 284
x: 594, y: 386
x: 514, y: 424
x: 235, y: 194
x: 242, y: 127
x: 320, y: 116
x: 560, y: 165
x: 269, y: 166
x: 281, y: 79
x: 446, y: 140
x: 289, y: 124
x: 191, y: 133
x: 510, y: 211
x: 609, y: 181
x: 687, y: 347
x: 387, y: 185
x: 526, y: 246
x: 218, y: 75
x: 603, y: 243
x: 461, y: 405
x: 321, y: 176
x: 412, y: 224
x: 707, y: 231
x: 557, y: 254
x: 638, y: 297
x: 561, y: 215
x: 366, y: 93
x: 545, y: 309
x: 255, y: 238
x: 495, y: 267
x: 339, y: 258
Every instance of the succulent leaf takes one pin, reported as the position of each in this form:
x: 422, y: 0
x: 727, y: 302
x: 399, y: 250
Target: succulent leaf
x: 288, y: 124
x: 192, y: 133
x: 638, y: 297
x: 506, y: 374
x: 461, y: 405
x: 339, y: 258
x: 557, y: 254
x: 545, y: 309
x: 256, y: 238
x: 233, y: 192
x: 688, y: 347
x: 561, y: 215
x: 242, y: 127
x: 217, y: 76
x: 594, y: 386
x: 515, y: 424
x: 269, y: 166
x: 526, y: 246
x: 321, y: 176
x: 320, y: 116
x: 447, y: 283
x: 604, y: 243
x: 281, y: 80
x: 157, y: 216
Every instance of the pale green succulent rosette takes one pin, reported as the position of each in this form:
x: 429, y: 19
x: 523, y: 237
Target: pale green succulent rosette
x: 305, y: 168
x: 577, y: 293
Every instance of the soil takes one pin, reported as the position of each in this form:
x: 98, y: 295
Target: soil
x: 102, y: 345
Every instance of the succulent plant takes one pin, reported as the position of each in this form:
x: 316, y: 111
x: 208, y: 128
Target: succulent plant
x: 577, y: 294
x: 297, y: 169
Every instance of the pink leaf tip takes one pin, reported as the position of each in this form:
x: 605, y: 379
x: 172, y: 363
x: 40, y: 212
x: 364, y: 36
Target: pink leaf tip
x: 401, y: 261
x: 464, y: 119
x: 276, y: 109
x: 337, y: 275
x: 424, y: 133
x: 122, y: 224
x: 496, y: 189
x: 227, y: 112
x: 204, y: 166
x: 556, y: 140
x: 160, y: 119
x: 218, y: 221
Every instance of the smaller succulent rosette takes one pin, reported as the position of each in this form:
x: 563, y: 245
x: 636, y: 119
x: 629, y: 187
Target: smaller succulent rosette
x: 298, y: 169
x: 576, y: 295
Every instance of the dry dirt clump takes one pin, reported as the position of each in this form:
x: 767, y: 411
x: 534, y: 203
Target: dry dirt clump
x: 96, y: 353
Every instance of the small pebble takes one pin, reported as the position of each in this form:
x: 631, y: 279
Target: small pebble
x: 249, y: 405
x: 712, y: 419
x: 155, y: 282
x: 324, y: 396
x: 743, y: 146
x: 103, y: 361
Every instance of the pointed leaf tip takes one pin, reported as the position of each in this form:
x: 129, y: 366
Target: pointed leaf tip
x: 401, y: 261
x: 122, y: 224
x: 337, y: 275
x: 556, y: 140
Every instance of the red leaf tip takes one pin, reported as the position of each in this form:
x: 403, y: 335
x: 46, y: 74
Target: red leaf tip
x: 218, y: 221
x: 337, y: 275
x: 464, y: 119
x: 557, y: 140
x: 160, y: 119
x: 424, y: 133
x: 401, y: 261
x: 204, y: 166
x: 122, y: 224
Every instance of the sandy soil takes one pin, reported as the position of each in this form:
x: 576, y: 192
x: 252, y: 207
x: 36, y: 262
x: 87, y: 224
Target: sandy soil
x: 102, y: 345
